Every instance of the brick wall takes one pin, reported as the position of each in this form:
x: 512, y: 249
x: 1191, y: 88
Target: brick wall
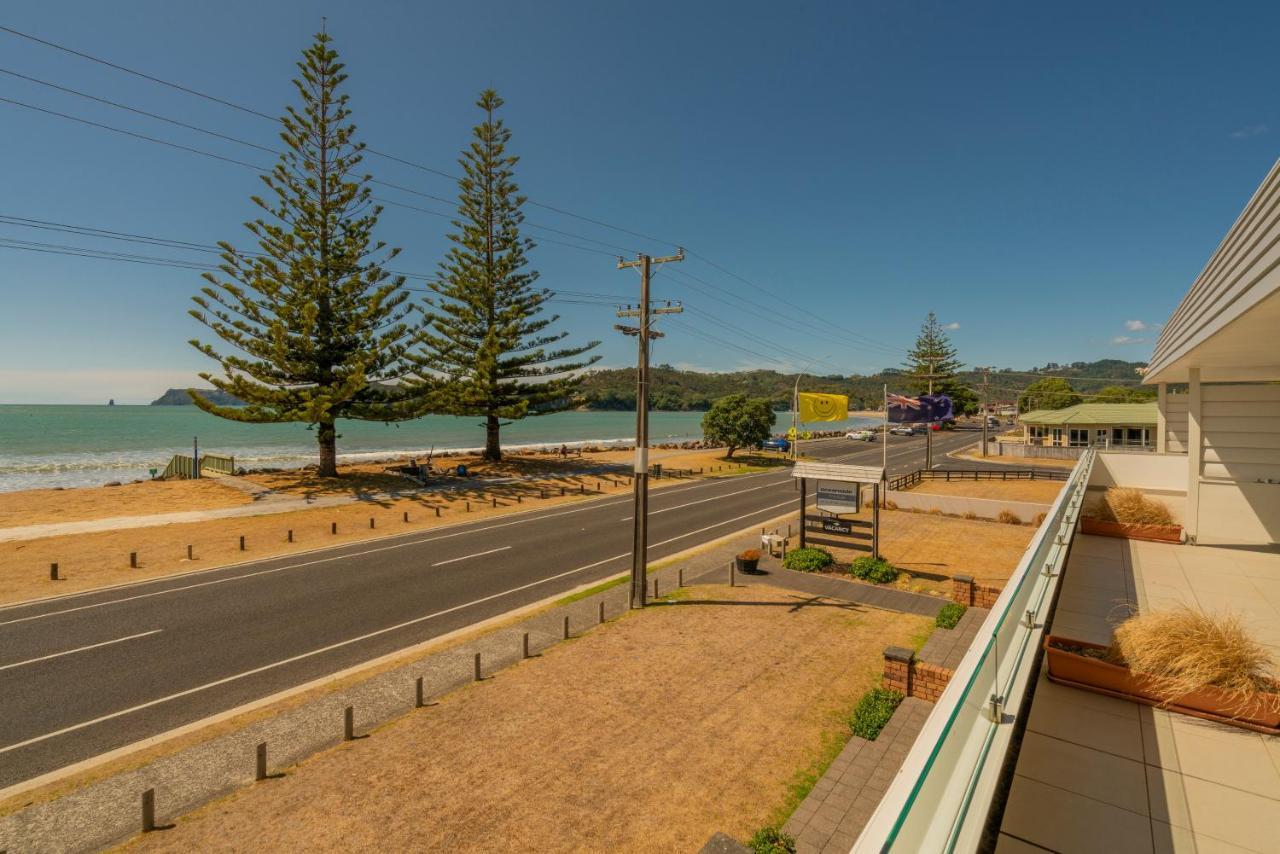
x: 902, y: 672
x: 971, y: 594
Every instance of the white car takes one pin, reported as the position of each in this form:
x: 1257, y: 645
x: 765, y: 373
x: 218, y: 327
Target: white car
x: 902, y: 430
x: 861, y: 435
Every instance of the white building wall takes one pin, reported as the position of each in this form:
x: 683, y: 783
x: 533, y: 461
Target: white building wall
x: 1239, y: 488
x: 1175, y: 423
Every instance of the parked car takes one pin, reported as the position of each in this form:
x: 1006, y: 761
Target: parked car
x: 776, y: 443
x: 902, y: 430
x: 861, y: 435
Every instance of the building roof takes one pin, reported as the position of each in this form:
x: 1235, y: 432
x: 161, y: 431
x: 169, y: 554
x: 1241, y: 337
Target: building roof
x: 1225, y: 325
x: 1105, y: 414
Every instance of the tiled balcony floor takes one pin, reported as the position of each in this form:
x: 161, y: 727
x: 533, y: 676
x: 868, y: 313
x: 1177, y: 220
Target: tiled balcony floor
x: 1101, y: 774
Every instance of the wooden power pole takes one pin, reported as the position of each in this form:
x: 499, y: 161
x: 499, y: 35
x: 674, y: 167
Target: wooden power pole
x: 986, y: 399
x: 643, y: 332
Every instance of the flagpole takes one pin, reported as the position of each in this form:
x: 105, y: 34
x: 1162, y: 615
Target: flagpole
x: 884, y: 446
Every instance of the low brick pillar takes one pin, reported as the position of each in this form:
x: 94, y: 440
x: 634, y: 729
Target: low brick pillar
x: 903, y: 673
x: 897, y: 669
x: 969, y: 593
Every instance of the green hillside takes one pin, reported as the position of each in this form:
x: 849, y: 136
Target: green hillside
x: 674, y: 389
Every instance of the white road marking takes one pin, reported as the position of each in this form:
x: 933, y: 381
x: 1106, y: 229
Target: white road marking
x: 468, y: 557
x: 330, y: 558
x: 705, y: 500
x: 78, y: 649
x: 377, y: 632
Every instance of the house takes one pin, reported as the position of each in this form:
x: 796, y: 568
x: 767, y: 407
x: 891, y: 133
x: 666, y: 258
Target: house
x: 1098, y: 425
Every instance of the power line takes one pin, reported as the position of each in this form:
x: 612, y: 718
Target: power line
x: 253, y: 112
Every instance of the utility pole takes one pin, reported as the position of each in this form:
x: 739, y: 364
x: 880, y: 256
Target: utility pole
x: 643, y: 332
x: 928, y: 431
x: 982, y: 408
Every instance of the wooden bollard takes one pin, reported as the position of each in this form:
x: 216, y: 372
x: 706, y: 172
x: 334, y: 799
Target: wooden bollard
x: 437, y: 511
x: 260, y: 765
x: 406, y: 516
x: 525, y: 649
x: 477, y: 672
x: 562, y: 490
x: 148, y: 810
x: 680, y: 577
x: 518, y: 501
x: 53, y: 572
x: 582, y: 489
x: 468, y: 506
x: 290, y: 536
x: 333, y: 527
x: 349, y: 723
x: 655, y: 588
x: 133, y: 560
x: 495, y: 504
x: 418, y: 700
x: 566, y: 627
x: 242, y: 542
x: 542, y: 493
x: 190, y: 553
x: 731, y: 569
x: 602, y: 611
x: 372, y: 523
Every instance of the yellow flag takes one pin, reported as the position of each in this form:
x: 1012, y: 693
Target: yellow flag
x: 823, y: 407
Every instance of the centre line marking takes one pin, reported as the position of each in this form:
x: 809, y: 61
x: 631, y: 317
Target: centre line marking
x: 468, y: 557
x: 78, y: 649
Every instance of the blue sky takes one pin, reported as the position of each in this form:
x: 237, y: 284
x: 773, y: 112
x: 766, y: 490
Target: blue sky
x: 1047, y: 179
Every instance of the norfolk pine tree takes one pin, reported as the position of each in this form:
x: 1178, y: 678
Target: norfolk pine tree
x: 933, y: 357
x: 484, y: 331
x: 316, y: 329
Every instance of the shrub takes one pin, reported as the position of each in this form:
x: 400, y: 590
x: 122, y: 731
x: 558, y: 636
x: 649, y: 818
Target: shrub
x: 949, y: 615
x: 1129, y: 506
x: 1039, y: 519
x: 808, y: 559
x: 873, y: 569
x: 1189, y: 650
x: 1009, y: 518
x: 749, y: 554
x: 771, y: 840
x: 970, y: 515
x: 934, y: 511
x: 873, y: 712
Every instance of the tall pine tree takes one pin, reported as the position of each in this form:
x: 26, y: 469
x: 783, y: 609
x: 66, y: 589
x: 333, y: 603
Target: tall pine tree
x: 486, y: 333
x: 932, y: 364
x: 317, y: 329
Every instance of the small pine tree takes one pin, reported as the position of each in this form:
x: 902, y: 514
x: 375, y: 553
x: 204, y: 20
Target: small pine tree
x: 318, y: 329
x: 932, y: 358
x: 484, y: 331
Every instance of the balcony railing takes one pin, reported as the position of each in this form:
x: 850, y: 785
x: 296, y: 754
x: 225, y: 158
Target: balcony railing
x: 943, y: 793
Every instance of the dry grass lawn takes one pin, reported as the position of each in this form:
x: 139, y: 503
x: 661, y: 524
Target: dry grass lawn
x: 39, y: 506
x: 1041, y: 491
x: 931, y: 549
x: 648, y: 734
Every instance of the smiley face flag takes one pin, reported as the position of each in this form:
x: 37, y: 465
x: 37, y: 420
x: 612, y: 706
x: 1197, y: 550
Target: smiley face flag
x: 823, y: 407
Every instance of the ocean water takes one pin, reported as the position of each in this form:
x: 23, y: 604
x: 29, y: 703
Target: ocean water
x: 45, y: 446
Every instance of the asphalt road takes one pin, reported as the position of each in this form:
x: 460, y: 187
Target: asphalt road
x: 87, y: 673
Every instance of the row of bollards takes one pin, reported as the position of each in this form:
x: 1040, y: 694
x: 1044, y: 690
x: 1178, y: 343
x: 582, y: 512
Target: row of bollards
x: 260, y: 770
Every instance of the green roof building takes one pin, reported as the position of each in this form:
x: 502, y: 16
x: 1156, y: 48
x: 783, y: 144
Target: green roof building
x: 1100, y: 425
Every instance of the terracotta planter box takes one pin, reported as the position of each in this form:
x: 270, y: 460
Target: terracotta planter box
x: 1151, y: 533
x: 1103, y: 677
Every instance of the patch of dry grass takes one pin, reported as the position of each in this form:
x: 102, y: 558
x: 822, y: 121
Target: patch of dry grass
x: 1188, y: 651
x: 648, y: 734
x: 1130, y: 507
x: 40, y: 506
x: 1037, y: 491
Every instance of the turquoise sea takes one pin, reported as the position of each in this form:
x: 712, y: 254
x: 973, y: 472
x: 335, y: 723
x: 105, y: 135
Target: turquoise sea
x: 44, y: 446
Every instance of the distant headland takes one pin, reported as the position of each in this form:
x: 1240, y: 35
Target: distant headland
x: 182, y: 397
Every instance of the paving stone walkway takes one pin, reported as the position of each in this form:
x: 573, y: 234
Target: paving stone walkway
x: 834, y: 813
x: 946, y: 648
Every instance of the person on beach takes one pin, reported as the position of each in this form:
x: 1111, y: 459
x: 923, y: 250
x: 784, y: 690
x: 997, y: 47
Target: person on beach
x: 564, y: 451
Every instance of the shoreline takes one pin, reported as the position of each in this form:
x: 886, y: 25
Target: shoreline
x: 97, y: 468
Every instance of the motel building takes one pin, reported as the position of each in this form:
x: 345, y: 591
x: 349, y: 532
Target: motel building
x: 1004, y: 759
x: 1093, y: 425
